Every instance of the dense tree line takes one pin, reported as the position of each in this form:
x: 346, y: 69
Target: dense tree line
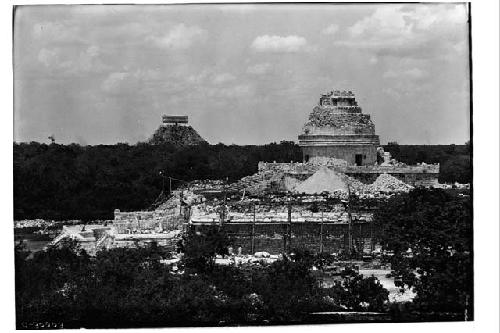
x: 131, y: 287
x: 430, y: 232
x: 89, y: 182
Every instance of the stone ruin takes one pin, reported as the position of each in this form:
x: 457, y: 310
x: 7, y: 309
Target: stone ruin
x: 175, y: 130
x: 338, y: 129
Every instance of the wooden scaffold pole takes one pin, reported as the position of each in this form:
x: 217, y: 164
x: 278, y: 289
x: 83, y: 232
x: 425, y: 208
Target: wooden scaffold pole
x: 253, y: 230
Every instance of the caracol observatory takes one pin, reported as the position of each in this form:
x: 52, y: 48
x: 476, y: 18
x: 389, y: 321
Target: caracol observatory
x: 338, y: 129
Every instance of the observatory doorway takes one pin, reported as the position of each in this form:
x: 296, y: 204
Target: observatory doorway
x: 358, y: 159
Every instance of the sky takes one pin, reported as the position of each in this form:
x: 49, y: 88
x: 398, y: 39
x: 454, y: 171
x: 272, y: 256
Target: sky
x: 244, y: 74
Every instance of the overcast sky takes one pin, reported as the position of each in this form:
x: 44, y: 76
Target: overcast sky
x: 244, y: 74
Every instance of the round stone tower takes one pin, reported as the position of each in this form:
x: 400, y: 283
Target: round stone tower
x: 336, y: 128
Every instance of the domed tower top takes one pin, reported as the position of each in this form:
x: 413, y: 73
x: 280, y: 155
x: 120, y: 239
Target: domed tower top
x: 338, y: 129
x: 339, y: 101
x: 338, y: 113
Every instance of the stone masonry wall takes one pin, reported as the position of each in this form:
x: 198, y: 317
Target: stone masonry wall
x: 346, y: 153
x: 413, y: 179
x: 270, y: 237
x: 140, y: 221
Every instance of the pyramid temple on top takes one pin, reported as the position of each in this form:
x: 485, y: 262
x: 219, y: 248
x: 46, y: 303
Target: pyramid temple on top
x: 337, y: 128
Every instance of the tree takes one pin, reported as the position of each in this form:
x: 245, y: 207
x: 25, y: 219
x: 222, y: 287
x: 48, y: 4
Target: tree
x: 287, y: 288
x: 456, y: 169
x: 359, y: 293
x: 430, y: 232
x: 201, y: 247
x: 48, y: 283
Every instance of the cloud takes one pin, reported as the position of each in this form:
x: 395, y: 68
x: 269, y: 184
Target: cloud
x: 387, y: 27
x: 439, y: 16
x: 180, y: 37
x: 259, y: 69
x: 93, y: 51
x: 62, y: 31
x: 87, y: 61
x: 373, y: 60
x: 393, y: 93
x: 198, y: 78
x: 416, y: 31
x: 235, y: 91
x: 331, y: 29
x: 114, y: 81
x: 148, y: 74
x: 290, y: 43
x: 133, y: 82
x: 68, y: 62
x: 48, y: 57
x: 413, y: 73
x: 207, y: 76
x: 223, y: 78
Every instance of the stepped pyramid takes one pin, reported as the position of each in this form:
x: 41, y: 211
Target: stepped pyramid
x: 175, y: 130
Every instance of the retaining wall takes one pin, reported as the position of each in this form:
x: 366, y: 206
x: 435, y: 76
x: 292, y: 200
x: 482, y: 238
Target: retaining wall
x: 274, y: 238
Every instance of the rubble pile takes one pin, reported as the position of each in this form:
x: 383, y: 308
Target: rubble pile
x: 290, y: 183
x: 191, y: 198
x: 207, y: 209
x: 206, y: 185
x: 171, y: 203
x: 323, y: 180
x: 388, y: 183
x: 258, y: 183
x: 309, y: 167
x: 38, y: 223
x: 356, y: 185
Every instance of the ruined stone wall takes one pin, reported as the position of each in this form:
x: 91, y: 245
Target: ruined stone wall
x: 396, y: 168
x: 271, y: 231
x: 169, y: 244
x: 415, y: 175
x: 270, y: 237
x: 413, y: 179
x: 342, y: 108
x: 141, y: 221
x: 282, y: 167
x: 346, y: 153
x: 313, y: 165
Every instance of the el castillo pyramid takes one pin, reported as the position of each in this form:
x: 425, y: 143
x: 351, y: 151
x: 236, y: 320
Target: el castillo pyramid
x: 175, y: 130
